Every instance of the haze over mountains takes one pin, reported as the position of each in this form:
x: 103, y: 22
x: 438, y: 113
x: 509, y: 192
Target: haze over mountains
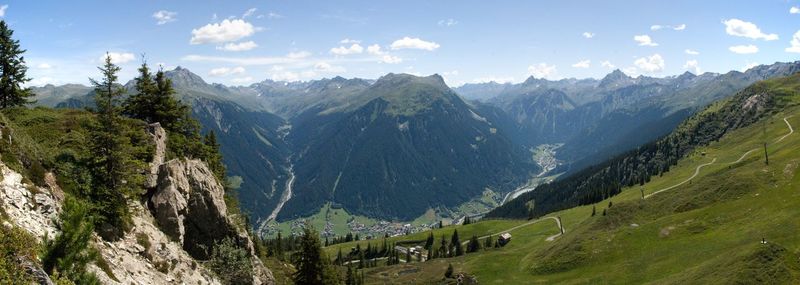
x: 397, y: 146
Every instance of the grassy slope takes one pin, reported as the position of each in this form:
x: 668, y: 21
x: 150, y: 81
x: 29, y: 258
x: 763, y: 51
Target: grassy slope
x: 706, y: 231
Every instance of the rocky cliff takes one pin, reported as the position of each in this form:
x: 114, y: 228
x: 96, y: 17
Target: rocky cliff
x: 183, y: 214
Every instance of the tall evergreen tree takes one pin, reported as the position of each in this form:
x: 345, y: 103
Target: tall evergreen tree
x: 214, y: 157
x: 474, y: 245
x: 455, y: 243
x: 115, y: 175
x: 12, y: 71
x: 312, y: 266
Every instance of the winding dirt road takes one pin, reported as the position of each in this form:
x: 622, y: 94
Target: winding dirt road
x: 697, y: 170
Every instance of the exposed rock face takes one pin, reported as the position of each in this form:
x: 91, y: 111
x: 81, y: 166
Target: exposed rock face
x: 189, y: 206
x: 148, y: 256
x: 160, y: 139
x: 30, y: 207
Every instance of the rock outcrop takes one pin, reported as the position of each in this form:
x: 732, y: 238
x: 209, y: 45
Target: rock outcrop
x: 29, y: 207
x: 188, y: 204
x: 159, y: 136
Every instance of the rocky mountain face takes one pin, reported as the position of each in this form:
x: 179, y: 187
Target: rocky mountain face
x: 185, y: 210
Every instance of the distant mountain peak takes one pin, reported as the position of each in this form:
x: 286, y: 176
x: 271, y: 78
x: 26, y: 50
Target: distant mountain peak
x: 686, y: 76
x: 181, y: 76
x: 616, y: 78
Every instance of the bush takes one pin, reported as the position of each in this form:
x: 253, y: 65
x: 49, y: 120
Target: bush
x: 70, y: 252
x: 231, y: 263
x: 15, y: 244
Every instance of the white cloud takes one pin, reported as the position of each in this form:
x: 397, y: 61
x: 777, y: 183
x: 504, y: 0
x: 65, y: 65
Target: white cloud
x: 44, y: 66
x: 225, y: 31
x: 582, y: 64
x: 342, y: 50
x: 794, y: 10
x: 679, y: 27
x: 242, y: 80
x: 290, y: 58
x: 3, y: 10
x: 542, y: 70
x: 348, y: 41
x: 739, y: 28
x: 748, y: 66
x: 650, y: 64
x: 285, y: 76
x: 744, y: 49
x: 273, y: 15
x: 795, y: 43
x: 118, y: 57
x: 390, y: 59
x: 249, y: 12
x: 588, y: 35
x: 644, y: 40
x: 448, y: 22
x: 42, y: 81
x: 692, y: 65
x: 243, y: 46
x: 164, y: 16
x: 327, y: 67
x: 414, y: 43
x: 225, y: 71
x: 691, y: 52
x: 298, y: 54
x: 374, y: 49
x: 607, y: 64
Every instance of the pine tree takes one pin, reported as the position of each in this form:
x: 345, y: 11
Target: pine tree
x: 115, y: 175
x: 408, y: 255
x: 458, y: 250
x: 443, y: 248
x: 279, y: 247
x: 312, y: 266
x: 488, y: 242
x: 474, y: 245
x: 594, y: 210
x: 12, y: 66
x: 449, y: 272
x: 70, y: 252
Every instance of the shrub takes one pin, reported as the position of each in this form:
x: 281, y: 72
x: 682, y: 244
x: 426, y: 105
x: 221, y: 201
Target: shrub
x: 231, y: 263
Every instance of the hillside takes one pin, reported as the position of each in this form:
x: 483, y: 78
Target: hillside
x: 371, y: 156
x: 53, y: 210
x: 701, y: 222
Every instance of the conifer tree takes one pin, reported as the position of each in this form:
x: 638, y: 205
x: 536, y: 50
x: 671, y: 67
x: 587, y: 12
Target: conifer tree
x: 115, y: 175
x: 474, y: 245
x: 312, y: 266
x: 455, y: 243
x: 70, y: 252
x: 12, y: 71
x: 449, y: 272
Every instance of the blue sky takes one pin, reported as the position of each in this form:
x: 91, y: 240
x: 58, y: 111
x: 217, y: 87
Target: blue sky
x: 241, y: 42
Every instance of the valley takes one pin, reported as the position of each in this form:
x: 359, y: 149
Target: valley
x: 399, y: 142
x: 689, y: 214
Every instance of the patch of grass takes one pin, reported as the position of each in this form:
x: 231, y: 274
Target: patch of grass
x: 101, y: 262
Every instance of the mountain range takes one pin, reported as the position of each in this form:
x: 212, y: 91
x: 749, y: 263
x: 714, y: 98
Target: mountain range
x: 397, y: 146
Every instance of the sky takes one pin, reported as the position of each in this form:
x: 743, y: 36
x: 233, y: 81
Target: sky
x: 243, y: 42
